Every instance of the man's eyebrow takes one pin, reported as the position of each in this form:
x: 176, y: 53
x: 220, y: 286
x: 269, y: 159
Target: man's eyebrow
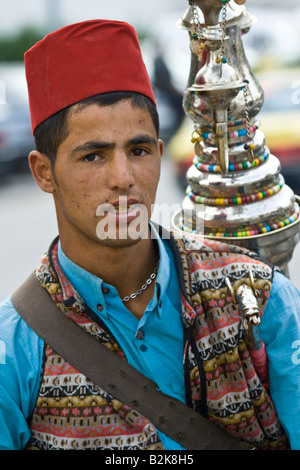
x: 92, y: 145
x: 142, y: 139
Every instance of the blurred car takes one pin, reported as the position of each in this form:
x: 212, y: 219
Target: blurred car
x: 280, y: 120
x: 280, y: 123
x: 16, y: 140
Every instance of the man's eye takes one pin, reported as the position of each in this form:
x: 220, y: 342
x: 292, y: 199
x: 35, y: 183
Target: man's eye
x: 139, y: 152
x: 92, y: 157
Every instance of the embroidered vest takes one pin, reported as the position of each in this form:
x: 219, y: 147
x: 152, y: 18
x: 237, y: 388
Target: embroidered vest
x: 222, y: 382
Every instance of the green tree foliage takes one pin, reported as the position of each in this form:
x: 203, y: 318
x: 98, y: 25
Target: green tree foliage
x: 12, y: 48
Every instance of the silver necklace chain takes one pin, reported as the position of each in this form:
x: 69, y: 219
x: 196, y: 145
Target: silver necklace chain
x: 144, y: 286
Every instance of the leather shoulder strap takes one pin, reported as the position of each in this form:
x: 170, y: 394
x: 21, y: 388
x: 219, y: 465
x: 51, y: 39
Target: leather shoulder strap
x: 114, y: 375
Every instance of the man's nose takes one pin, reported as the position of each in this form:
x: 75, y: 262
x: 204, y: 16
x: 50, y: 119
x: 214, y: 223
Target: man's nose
x: 120, y: 172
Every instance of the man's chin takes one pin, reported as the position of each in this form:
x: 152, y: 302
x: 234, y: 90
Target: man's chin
x: 119, y: 231
x: 122, y: 237
x: 120, y: 243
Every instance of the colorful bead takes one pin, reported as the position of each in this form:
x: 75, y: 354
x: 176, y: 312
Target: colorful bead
x: 238, y: 200
x: 196, y: 136
x: 254, y: 230
x: 231, y: 167
x: 232, y: 134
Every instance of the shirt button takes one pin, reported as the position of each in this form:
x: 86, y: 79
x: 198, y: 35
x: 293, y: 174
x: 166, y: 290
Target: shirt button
x: 106, y: 290
x: 100, y: 307
x: 140, y: 335
x: 143, y: 348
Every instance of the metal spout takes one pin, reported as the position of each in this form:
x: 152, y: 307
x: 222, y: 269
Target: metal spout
x: 217, y: 93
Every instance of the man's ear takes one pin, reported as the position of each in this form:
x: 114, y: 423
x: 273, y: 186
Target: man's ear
x: 41, y: 169
x: 161, y: 147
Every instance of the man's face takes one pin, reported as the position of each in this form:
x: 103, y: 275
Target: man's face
x: 107, y: 166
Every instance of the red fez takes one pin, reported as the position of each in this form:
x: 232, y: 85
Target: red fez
x: 80, y: 61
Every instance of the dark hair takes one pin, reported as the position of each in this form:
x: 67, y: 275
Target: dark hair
x: 52, y: 132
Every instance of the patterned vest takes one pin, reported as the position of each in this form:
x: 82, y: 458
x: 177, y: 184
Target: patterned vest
x: 222, y: 381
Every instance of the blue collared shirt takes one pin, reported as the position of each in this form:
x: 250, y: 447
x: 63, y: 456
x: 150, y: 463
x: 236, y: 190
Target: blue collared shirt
x: 153, y: 344
x: 144, y: 340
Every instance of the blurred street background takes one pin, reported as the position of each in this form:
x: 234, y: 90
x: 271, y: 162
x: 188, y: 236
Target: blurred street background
x: 27, y: 218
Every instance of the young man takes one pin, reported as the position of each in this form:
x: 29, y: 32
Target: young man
x: 159, y: 302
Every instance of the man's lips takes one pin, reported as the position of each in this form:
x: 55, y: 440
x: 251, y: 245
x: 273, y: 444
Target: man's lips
x: 124, y: 204
x: 123, y: 210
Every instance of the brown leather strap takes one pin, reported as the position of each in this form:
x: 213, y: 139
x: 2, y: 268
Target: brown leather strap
x: 116, y: 376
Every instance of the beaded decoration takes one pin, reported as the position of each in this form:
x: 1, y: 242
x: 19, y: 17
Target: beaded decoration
x: 236, y: 132
x: 234, y: 201
x: 222, y: 59
x: 196, y: 134
x: 250, y: 231
x: 197, y: 44
x: 208, y: 168
x: 231, y: 134
x: 249, y: 146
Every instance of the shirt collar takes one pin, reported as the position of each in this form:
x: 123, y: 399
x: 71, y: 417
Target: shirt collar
x: 90, y: 287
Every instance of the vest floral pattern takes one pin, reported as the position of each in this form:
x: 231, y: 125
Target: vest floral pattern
x: 221, y: 379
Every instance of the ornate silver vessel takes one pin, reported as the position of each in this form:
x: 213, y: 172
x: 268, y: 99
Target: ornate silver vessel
x: 235, y: 192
